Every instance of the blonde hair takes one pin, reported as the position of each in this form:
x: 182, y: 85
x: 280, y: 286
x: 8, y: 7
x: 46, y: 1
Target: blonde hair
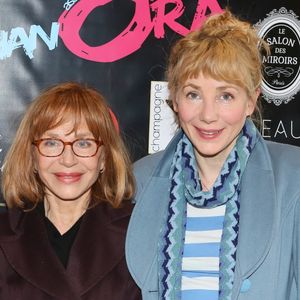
x: 22, y: 187
x: 224, y: 48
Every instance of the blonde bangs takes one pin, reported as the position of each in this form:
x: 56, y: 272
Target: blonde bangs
x: 218, y: 59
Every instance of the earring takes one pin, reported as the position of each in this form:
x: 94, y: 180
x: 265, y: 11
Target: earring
x: 101, y: 170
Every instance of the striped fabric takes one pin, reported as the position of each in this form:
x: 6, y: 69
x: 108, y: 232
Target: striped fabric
x: 200, y: 262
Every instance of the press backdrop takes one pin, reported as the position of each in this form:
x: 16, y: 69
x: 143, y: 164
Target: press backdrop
x: 120, y: 46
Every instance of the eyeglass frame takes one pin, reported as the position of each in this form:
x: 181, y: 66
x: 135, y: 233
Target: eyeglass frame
x: 39, y: 141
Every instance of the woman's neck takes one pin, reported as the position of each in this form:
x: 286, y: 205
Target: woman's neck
x: 64, y: 214
x: 209, y: 169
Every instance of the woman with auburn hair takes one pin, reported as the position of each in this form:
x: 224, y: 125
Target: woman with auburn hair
x: 216, y: 214
x: 67, y: 182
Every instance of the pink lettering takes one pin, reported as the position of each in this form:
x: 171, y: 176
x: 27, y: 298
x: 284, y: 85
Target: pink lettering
x: 169, y: 19
x: 125, y: 43
x: 134, y: 35
x: 201, y: 12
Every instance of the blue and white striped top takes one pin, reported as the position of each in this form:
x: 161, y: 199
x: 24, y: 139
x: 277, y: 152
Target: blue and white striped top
x: 200, y: 262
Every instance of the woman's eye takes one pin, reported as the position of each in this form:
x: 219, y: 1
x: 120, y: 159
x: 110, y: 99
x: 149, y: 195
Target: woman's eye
x: 83, y: 143
x: 193, y: 96
x: 51, y: 143
x: 226, y: 97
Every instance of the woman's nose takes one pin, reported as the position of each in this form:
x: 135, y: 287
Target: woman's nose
x: 209, y: 111
x: 68, y: 158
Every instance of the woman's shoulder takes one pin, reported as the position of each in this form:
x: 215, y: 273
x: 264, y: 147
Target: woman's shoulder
x: 9, y: 220
x: 104, y: 213
x: 4, y: 219
x: 148, y: 162
x: 147, y: 168
x: 159, y: 163
x: 285, y: 166
x: 286, y: 154
x: 276, y: 146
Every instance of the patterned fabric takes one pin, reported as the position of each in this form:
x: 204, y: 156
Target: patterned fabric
x: 200, y: 261
x: 186, y: 187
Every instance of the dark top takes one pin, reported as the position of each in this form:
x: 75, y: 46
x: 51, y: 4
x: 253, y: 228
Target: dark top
x: 96, y: 268
x: 62, y: 243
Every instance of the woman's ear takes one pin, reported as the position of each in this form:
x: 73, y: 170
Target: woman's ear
x: 102, y: 160
x: 252, y: 102
x: 257, y: 93
x: 34, y: 159
x: 175, y: 105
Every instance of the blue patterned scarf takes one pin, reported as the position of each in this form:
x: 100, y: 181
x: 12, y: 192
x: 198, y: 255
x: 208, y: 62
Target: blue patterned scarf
x: 186, y: 187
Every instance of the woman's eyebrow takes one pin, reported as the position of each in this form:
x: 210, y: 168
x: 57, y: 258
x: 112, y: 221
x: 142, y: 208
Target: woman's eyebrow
x: 192, y: 85
x: 84, y: 134
x: 77, y: 134
x: 225, y: 87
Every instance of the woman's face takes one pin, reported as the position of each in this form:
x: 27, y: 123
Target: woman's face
x: 212, y: 114
x: 68, y: 177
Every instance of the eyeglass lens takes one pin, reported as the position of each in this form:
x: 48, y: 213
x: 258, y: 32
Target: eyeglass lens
x: 81, y: 147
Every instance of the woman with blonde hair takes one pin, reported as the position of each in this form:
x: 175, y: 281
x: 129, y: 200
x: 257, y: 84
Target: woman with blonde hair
x: 217, y: 212
x: 67, y: 182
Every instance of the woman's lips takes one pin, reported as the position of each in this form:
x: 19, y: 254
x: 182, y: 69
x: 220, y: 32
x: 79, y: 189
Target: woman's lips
x: 68, y: 177
x: 209, y: 134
